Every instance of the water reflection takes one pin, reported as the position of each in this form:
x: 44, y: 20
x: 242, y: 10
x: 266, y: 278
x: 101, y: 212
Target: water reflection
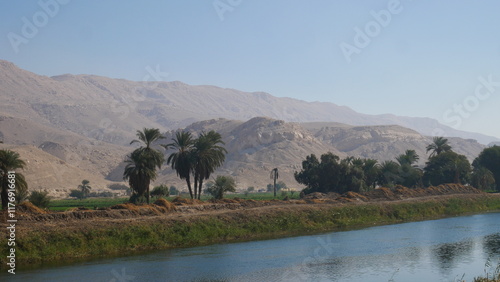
x: 491, y: 245
x: 447, y: 255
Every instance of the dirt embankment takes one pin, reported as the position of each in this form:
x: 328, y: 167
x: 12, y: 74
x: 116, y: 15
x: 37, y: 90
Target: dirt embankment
x: 28, y: 212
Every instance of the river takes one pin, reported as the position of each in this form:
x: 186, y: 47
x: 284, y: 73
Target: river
x: 447, y: 249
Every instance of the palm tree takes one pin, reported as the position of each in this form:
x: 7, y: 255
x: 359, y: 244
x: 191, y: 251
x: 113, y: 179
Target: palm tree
x: 482, y: 178
x: 439, y: 145
x: 408, y: 158
x: 9, y: 162
x: 182, y: 160
x: 274, y: 176
x: 143, y: 161
x: 208, y: 156
x: 148, y: 136
x: 139, y: 172
x: 371, y: 172
x: 221, y: 185
x: 389, y: 173
x: 85, y: 187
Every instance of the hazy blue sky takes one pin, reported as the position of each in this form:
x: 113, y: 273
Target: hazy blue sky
x: 427, y: 58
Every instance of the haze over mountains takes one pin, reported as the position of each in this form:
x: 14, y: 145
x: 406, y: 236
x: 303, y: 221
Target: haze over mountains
x: 88, y: 121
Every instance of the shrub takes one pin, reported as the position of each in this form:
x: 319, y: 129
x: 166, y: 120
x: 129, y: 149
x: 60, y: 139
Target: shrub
x: 40, y: 199
x: 160, y: 191
x: 173, y: 190
x: 221, y: 185
x: 136, y: 199
x: 77, y: 194
x: 117, y: 186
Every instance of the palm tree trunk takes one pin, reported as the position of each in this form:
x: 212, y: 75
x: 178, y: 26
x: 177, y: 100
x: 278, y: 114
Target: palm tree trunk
x: 199, y: 189
x: 188, y: 181
x: 147, y: 195
x: 195, y: 186
x: 275, y: 185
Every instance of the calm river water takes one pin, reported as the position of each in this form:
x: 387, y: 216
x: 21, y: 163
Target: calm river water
x: 434, y: 250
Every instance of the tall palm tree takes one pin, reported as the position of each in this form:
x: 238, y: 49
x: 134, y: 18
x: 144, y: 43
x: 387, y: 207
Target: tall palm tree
x: 85, y: 187
x: 145, y: 158
x: 438, y: 145
x: 139, y: 172
x: 209, y: 154
x: 274, y: 176
x: 147, y: 137
x: 9, y: 162
x: 410, y: 157
x: 182, y: 160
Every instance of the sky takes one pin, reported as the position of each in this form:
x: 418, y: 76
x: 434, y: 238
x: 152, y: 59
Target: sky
x: 420, y: 58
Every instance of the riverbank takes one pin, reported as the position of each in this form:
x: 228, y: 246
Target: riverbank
x: 68, y: 238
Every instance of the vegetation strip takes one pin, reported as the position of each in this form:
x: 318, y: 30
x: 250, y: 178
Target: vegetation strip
x: 64, y: 241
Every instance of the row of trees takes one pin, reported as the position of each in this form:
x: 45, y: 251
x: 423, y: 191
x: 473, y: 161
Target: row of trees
x: 331, y: 174
x: 193, y: 158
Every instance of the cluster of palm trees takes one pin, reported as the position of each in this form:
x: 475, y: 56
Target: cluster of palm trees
x: 330, y: 174
x: 193, y: 158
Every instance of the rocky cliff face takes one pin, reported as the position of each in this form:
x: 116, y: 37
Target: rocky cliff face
x: 112, y: 109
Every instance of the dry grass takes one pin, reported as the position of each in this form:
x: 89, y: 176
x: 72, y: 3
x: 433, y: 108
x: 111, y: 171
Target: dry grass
x: 164, y: 205
x: 28, y: 207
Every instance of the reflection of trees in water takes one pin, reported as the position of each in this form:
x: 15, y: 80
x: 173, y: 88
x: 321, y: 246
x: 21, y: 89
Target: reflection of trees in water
x: 347, y: 267
x: 448, y: 254
x: 491, y: 245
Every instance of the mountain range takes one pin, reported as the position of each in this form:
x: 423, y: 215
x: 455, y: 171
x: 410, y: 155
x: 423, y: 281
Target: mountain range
x: 87, y: 122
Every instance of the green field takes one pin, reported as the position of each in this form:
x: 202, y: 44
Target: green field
x: 92, y: 203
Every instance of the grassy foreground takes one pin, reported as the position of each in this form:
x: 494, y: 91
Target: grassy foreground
x: 96, y: 239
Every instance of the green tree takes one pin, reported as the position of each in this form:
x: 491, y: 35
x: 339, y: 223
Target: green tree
x: 371, y: 172
x: 160, y: 191
x: 250, y: 189
x: 182, y: 160
x: 489, y: 158
x: 40, y: 199
x: 142, y: 162
x: 221, y: 185
x: 410, y: 157
x: 10, y: 161
x: 209, y: 154
x: 409, y: 174
x: 85, y: 188
x: 309, y: 174
x: 139, y: 173
x: 438, y: 145
x: 117, y: 186
x: 269, y: 187
x: 77, y: 194
x: 331, y: 174
x: 173, y: 190
x: 389, y: 174
x: 447, y: 167
x: 482, y: 178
